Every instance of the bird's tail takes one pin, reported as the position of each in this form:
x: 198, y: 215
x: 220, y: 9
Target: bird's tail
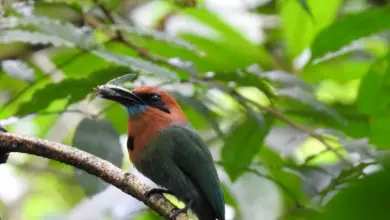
x: 202, y: 208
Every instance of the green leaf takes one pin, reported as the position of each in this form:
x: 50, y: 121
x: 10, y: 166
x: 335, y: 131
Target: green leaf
x: 221, y: 53
x: 301, y: 214
x: 137, y: 64
x: 97, y: 137
x: 344, y: 177
x: 79, y: 57
x: 379, y: 132
x: 74, y: 89
x: 117, y: 115
x: 11, y: 36
x: 18, y: 69
x: 358, y: 124
x: 246, y: 79
x: 305, y: 7
x: 64, y: 11
x: 72, y: 62
x: 228, y: 42
x: 156, y: 35
x: 15, y: 49
x: 242, y: 146
x: 14, y: 87
x: 207, y: 59
x: 304, y: 97
x: 299, y: 28
x: 277, y: 77
x: 373, y: 98
x: 331, y: 69
x: 55, y: 28
x: 290, y: 185
x: 285, y: 79
x: 270, y: 157
x: 229, y: 197
x: 363, y: 199
x: 350, y: 28
x: 169, y: 50
x: 268, y: 8
x: 202, y: 109
x: 211, y: 19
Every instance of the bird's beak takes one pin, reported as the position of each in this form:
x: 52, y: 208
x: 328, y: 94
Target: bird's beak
x: 118, y: 94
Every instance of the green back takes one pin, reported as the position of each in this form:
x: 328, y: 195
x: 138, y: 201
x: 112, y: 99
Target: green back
x: 192, y: 156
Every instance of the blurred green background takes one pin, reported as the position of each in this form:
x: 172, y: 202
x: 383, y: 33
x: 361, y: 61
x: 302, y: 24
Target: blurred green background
x: 292, y: 96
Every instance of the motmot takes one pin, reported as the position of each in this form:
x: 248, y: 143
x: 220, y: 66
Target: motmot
x: 164, y: 147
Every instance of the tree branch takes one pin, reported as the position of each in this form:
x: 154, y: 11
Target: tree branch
x: 103, y: 169
x: 143, y: 52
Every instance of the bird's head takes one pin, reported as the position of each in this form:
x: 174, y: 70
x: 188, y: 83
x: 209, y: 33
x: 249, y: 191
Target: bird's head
x: 144, y: 102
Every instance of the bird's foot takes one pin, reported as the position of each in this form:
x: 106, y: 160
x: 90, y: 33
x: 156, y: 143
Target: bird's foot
x: 157, y: 191
x: 179, y: 211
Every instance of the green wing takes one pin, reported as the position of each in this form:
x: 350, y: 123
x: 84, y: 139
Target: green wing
x: 194, y: 159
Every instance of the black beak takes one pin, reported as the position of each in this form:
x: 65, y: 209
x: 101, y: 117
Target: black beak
x: 118, y: 94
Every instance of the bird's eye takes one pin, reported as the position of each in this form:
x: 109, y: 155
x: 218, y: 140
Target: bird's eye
x: 155, y: 99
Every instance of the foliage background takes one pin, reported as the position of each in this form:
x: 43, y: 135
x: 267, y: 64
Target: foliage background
x: 291, y: 95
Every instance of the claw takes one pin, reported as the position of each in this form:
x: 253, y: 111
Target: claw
x: 179, y: 211
x: 156, y: 191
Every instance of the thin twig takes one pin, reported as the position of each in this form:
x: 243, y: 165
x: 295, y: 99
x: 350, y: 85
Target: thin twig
x: 143, y: 52
x: 105, y: 11
x: 91, y: 164
x: 312, y: 157
x: 299, y: 127
x: 241, y: 99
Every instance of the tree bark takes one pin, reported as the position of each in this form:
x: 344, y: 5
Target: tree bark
x: 103, y: 169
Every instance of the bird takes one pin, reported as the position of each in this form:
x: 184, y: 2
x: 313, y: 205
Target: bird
x: 164, y: 147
